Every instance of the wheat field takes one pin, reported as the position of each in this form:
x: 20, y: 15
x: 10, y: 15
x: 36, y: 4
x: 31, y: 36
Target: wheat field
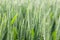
x: 29, y: 19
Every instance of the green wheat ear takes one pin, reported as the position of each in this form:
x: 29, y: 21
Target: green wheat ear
x: 14, y: 18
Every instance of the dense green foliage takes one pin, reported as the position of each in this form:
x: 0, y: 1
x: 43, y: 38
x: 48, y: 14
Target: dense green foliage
x: 29, y: 20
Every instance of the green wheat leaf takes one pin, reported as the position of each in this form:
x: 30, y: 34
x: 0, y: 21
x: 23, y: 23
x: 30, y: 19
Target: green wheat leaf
x: 14, y: 18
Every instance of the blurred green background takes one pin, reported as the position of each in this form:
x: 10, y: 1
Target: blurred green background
x: 29, y: 19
